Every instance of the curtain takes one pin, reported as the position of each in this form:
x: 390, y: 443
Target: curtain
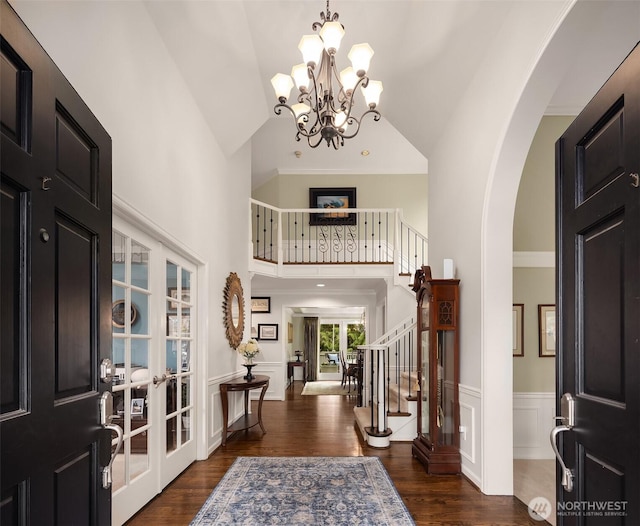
x: 311, y: 347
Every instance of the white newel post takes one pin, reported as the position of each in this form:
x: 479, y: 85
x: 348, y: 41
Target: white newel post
x: 382, y: 402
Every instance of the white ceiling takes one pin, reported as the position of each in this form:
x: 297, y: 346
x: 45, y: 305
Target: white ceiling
x: 426, y: 53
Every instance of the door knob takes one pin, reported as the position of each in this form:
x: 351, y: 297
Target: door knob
x: 107, y: 371
x: 568, y: 419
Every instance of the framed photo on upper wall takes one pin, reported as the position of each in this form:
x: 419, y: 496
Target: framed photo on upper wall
x: 518, y: 333
x: 547, y: 328
x: 332, y: 200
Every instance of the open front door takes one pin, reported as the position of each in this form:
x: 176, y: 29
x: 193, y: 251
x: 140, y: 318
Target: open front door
x: 598, y: 218
x: 56, y: 303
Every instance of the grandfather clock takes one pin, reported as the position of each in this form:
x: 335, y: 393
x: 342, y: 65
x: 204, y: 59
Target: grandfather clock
x: 437, y: 445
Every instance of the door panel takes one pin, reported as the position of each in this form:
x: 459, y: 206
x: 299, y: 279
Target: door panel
x: 75, y: 318
x: 13, y: 207
x: 56, y: 236
x: 598, y: 219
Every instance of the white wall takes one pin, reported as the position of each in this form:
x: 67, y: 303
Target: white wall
x: 407, y: 192
x: 534, y: 246
x: 166, y: 163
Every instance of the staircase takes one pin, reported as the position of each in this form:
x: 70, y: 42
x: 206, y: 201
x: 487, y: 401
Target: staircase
x: 389, y: 387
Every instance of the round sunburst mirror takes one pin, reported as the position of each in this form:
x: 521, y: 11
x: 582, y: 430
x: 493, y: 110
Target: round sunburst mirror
x: 233, y: 307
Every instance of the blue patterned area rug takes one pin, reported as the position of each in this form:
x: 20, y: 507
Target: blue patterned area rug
x: 259, y: 491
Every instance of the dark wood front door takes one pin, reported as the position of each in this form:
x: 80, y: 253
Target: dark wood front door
x: 56, y: 241
x: 598, y: 213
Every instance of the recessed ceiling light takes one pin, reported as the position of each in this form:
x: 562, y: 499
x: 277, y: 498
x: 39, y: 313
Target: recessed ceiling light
x: 320, y: 285
x: 364, y: 153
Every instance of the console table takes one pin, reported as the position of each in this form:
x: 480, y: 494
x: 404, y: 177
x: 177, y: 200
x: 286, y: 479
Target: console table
x: 291, y: 365
x: 238, y: 383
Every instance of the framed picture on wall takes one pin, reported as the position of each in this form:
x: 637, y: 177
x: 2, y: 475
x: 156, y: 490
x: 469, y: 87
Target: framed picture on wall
x: 262, y: 304
x: 289, y: 332
x: 332, y: 200
x: 518, y: 332
x: 267, y: 331
x: 547, y: 328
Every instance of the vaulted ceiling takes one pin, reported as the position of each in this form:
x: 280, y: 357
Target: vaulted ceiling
x: 426, y: 53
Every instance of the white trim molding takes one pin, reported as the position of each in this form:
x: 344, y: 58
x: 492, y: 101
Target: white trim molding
x: 470, y: 411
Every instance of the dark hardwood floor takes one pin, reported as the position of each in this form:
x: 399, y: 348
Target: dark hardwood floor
x: 324, y: 426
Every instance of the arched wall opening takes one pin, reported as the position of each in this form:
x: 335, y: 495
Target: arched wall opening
x: 556, y: 58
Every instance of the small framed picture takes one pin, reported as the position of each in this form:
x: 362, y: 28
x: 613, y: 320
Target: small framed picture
x: 290, y: 333
x: 261, y: 304
x: 267, y: 331
x: 547, y: 326
x: 137, y: 406
x: 518, y: 333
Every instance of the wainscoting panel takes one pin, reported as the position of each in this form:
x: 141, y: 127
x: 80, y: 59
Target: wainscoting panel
x: 276, y: 372
x: 532, y: 422
x: 469, y: 398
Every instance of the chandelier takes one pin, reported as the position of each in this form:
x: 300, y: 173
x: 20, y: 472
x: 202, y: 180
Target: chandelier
x: 325, y: 107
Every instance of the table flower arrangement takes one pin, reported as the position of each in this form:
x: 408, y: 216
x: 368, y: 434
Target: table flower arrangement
x: 249, y: 349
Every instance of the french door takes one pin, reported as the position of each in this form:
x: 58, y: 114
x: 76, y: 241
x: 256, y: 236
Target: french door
x: 153, y: 325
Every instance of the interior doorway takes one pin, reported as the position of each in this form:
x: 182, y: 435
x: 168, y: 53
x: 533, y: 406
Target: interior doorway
x: 338, y: 345
x: 534, y: 286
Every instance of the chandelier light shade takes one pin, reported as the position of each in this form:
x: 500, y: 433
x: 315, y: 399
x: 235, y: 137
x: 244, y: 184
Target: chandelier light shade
x: 324, y: 108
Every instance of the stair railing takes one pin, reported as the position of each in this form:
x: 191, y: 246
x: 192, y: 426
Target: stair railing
x: 400, y: 339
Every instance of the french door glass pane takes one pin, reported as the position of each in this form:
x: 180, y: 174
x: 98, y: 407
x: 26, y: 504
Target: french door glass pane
x: 139, y: 265
x: 172, y: 439
x: 186, y: 356
x: 186, y: 279
x: 179, y: 336
x: 139, y: 360
x: 139, y: 312
x: 118, y: 255
x: 356, y: 335
x: 329, y: 347
x: 117, y: 308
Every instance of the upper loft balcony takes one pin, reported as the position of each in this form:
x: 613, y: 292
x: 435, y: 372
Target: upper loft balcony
x: 334, y: 242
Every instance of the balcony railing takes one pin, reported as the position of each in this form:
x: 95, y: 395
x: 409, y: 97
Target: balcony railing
x: 338, y: 236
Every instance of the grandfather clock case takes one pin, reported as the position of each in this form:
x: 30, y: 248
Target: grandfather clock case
x: 437, y: 445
